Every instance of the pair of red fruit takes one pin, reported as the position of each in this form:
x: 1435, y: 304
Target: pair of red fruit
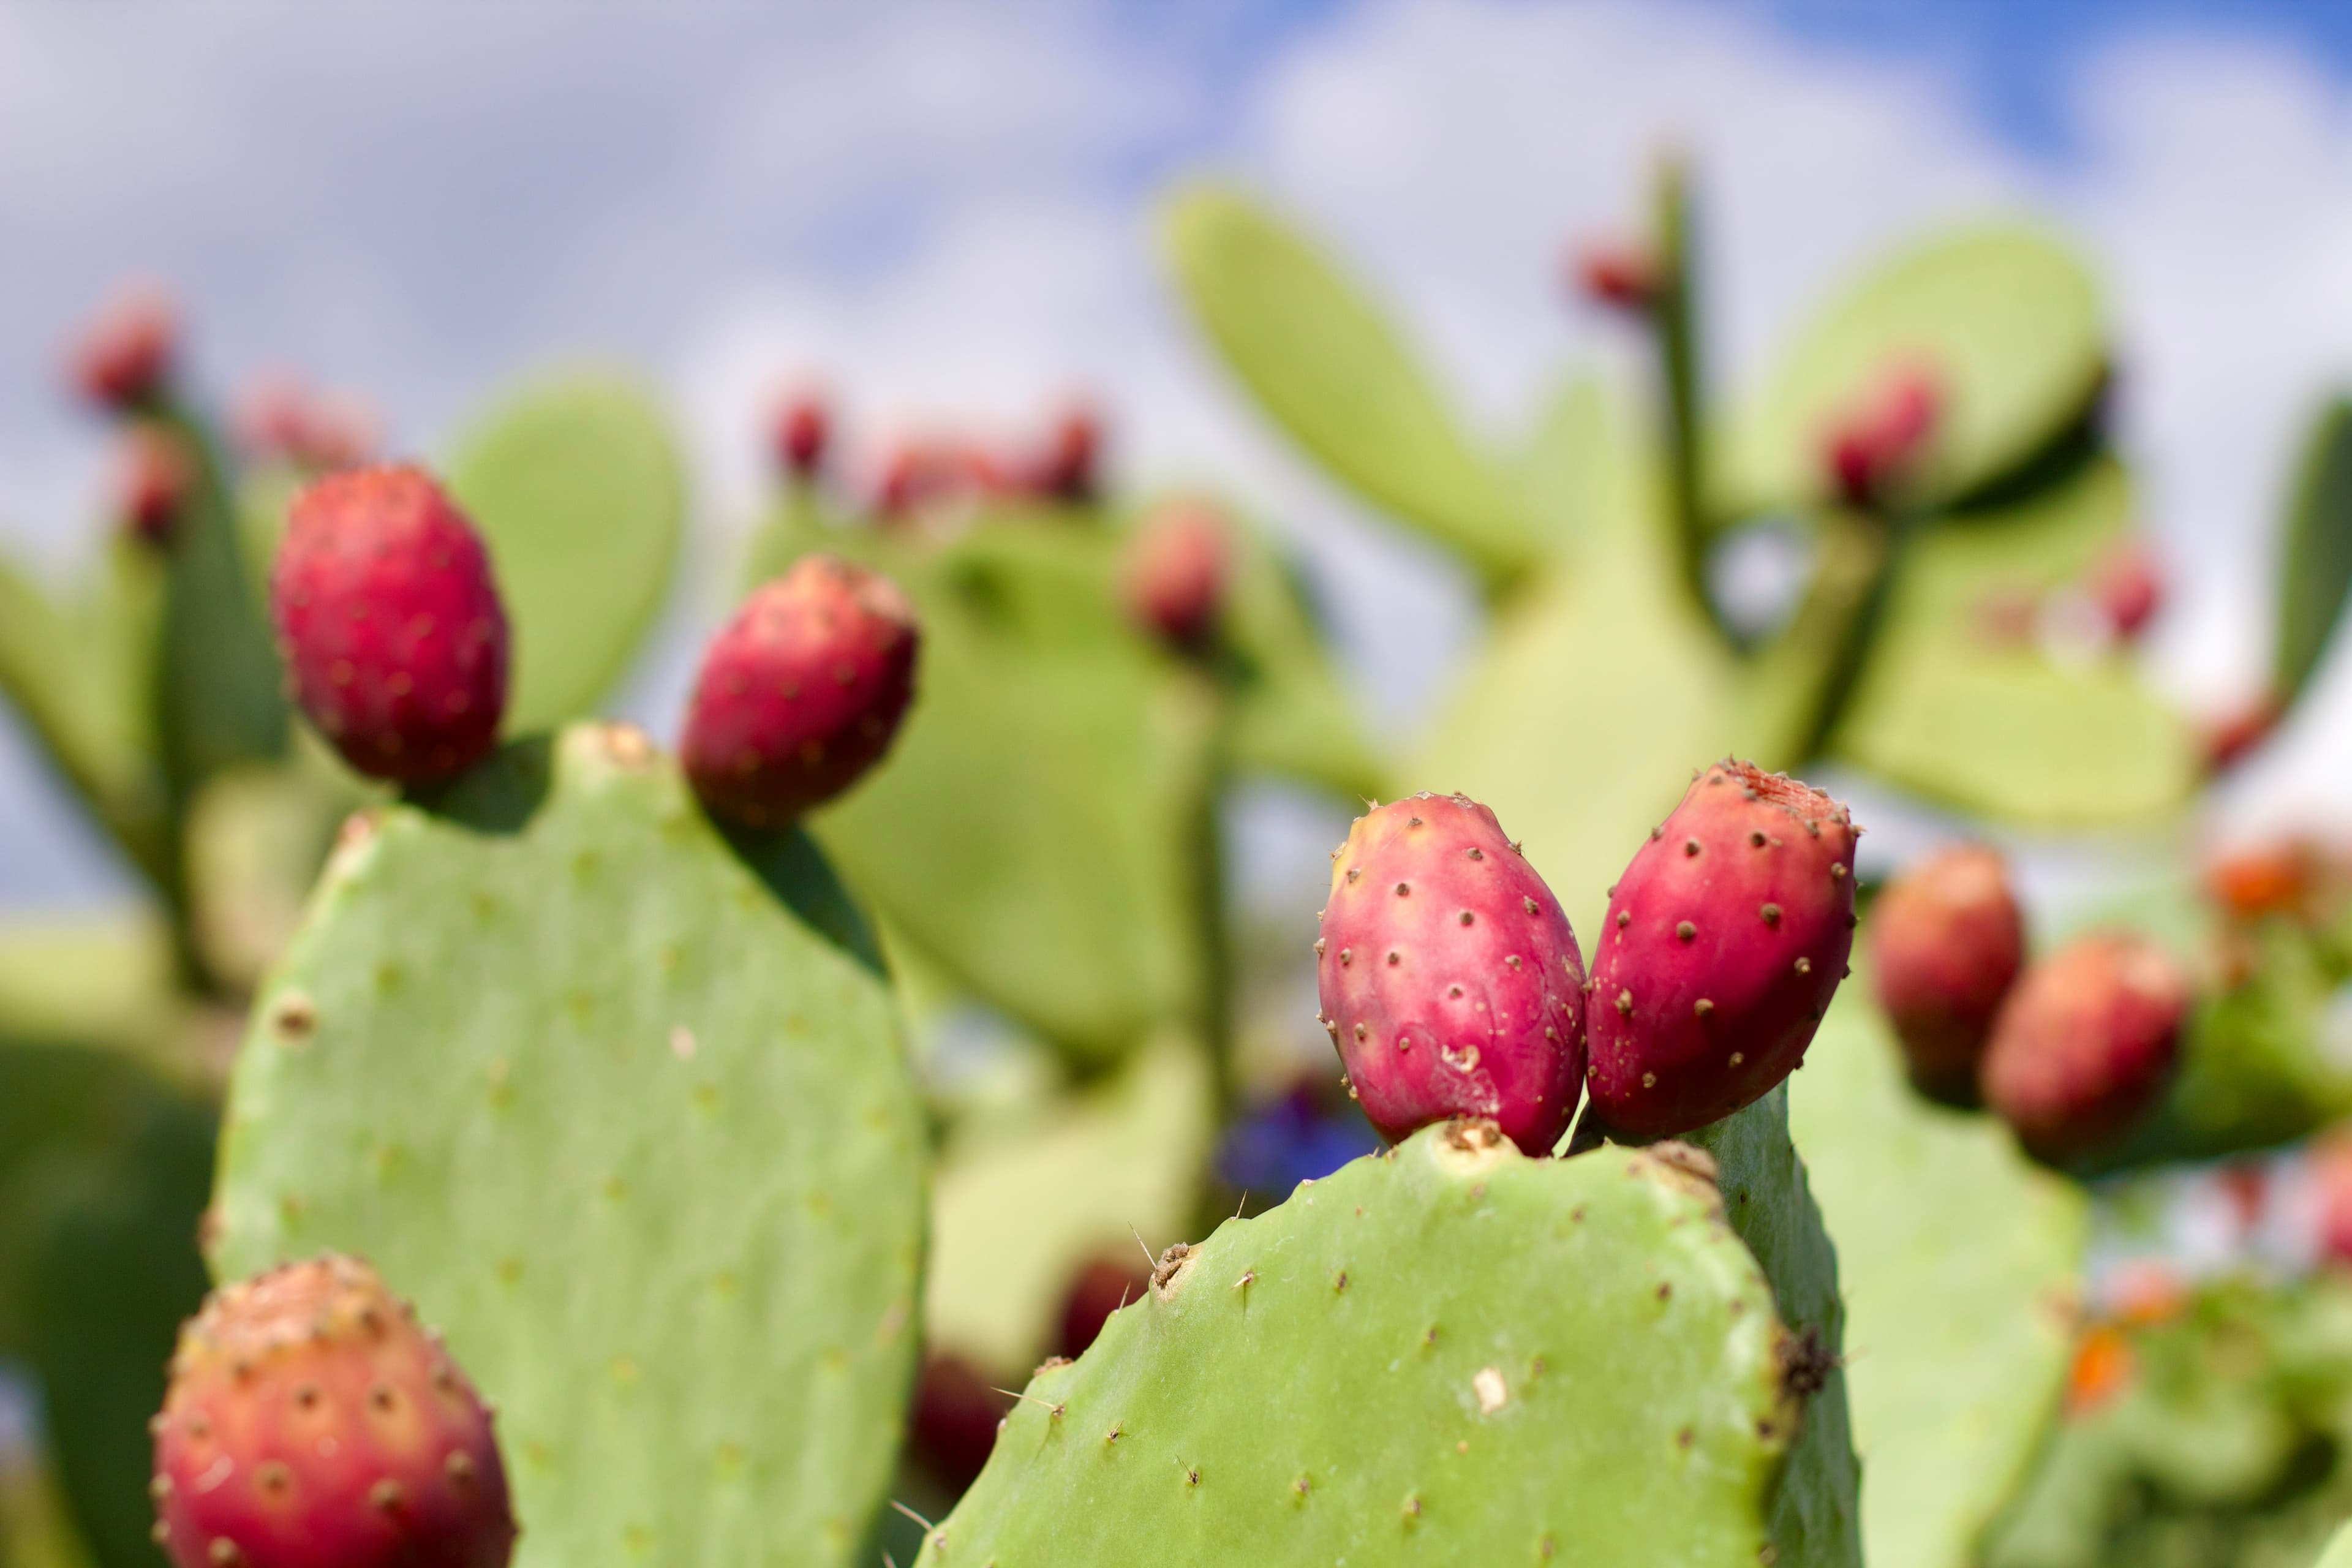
x: 395, y: 645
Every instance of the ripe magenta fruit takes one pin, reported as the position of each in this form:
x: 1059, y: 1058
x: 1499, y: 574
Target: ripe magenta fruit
x: 2086, y: 1043
x: 1874, y: 447
x: 1065, y: 470
x: 311, y: 1423
x: 389, y: 622
x: 123, y: 356
x: 1947, y: 941
x: 1450, y: 980
x: 1175, y: 576
x: 150, y: 482
x: 2127, y: 585
x: 1727, y: 938
x: 801, y: 692
x: 803, y: 428
x: 1620, y: 276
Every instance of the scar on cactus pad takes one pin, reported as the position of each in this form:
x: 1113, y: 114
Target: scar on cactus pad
x: 1947, y: 941
x: 1450, y: 980
x: 311, y: 1421
x: 390, y: 625
x: 2086, y: 1043
x: 1726, y: 938
x: 801, y: 692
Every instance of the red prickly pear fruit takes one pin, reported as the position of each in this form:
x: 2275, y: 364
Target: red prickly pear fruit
x: 150, y: 482
x: 954, y: 1422
x: 279, y: 417
x: 1450, y: 980
x: 310, y: 1422
x: 1727, y: 937
x: 1869, y: 450
x: 801, y: 692
x: 388, y: 621
x: 1104, y: 1286
x: 2086, y: 1043
x: 1947, y: 941
x: 2328, y: 1171
x: 2238, y: 734
x: 2129, y: 588
x: 123, y: 355
x: 1177, y: 568
x: 1620, y: 276
x: 1065, y: 472
x: 802, y: 432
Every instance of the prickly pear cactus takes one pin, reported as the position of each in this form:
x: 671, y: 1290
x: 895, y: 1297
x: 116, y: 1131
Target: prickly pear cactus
x: 1386, y: 1369
x: 2315, y: 574
x: 624, y: 1109
x: 2339, y: 1549
x: 1960, y: 1262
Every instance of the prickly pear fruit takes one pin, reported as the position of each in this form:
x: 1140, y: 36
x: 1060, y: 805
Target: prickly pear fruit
x: 1873, y: 448
x: 312, y: 1423
x: 2127, y: 585
x: 390, y: 625
x: 1726, y: 938
x: 801, y: 692
x: 954, y: 1425
x: 1066, y: 469
x: 1102, y: 1286
x: 124, y: 354
x: 1620, y: 276
x: 150, y: 482
x: 1449, y: 977
x: 802, y: 430
x: 1176, y: 567
x: 2086, y: 1043
x: 1947, y: 941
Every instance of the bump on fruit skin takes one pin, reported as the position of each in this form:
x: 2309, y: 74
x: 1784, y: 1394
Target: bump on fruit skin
x: 1450, y: 980
x: 2086, y: 1043
x: 122, y: 357
x: 390, y: 625
x: 1177, y: 567
x: 1726, y: 938
x: 310, y: 1422
x: 1946, y: 943
x: 801, y: 692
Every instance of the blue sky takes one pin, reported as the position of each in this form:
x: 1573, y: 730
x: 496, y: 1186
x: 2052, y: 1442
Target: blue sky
x: 944, y: 210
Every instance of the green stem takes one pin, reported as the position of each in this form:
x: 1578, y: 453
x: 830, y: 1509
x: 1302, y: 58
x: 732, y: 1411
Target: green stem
x: 1891, y: 531
x: 1674, y: 320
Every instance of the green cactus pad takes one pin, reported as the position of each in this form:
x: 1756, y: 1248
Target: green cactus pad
x: 1606, y: 655
x: 1958, y: 708
x: 1816, y: 1517
x: 1028, y: 829
x: 578, y: 488
x: 2008, y: 319
x: 1017, y: 1209
x: 2315, y: 570
x: 1292, y: 713
x: 626, y: 1111
x: 1450, y: 1353
x: 2339, y: 1549
x: 114, y: 1272
x: 215, y: 671
x: 1961, y: 1262
x: 1326, y: 366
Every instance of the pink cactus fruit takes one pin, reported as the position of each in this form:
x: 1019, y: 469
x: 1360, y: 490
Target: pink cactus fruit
x: 123, y: 355
x: 1176, y: 573
x: 1947, y: 941
x: 1726, y: 938
x: 1450, y: 980
x: 150, y: 482
x: 2086, y: 1043
x: 801, y: 692
x: 1871, y: 448
x: 389, y: 622
x: 2127, y: 585
x: 1615, y: 274
x: 1066, y: 469
x: 802, y: 432
x: 310, y: 1422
